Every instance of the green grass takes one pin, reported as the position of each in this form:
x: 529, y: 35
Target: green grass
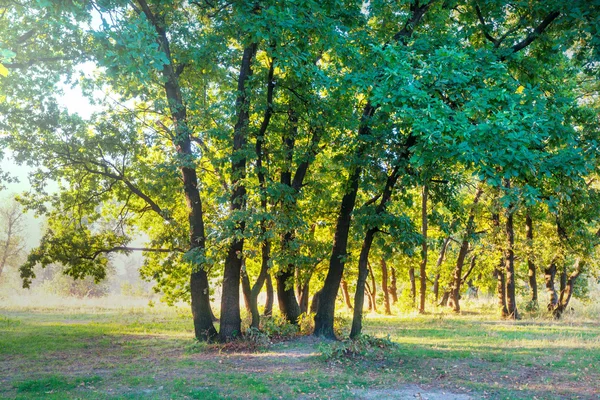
x: 142, y: 353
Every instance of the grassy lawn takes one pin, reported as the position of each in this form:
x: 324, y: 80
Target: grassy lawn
x: 98, y: 352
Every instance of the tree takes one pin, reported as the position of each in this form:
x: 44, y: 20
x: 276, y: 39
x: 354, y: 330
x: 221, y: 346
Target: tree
x: 12, y: 225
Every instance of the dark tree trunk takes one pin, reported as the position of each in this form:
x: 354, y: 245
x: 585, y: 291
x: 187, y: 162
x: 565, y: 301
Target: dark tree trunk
x: 361, y: 284
x: 509, y: 260
x: 326, y: 311
x: 314, y: 304
x: 304, y: 294
x: 499, y: 273
x: 346, y: 294
x: 413, y: 286
x: 462, y: 254
x: 394, y: 286
x: 373, y: 288
x: 384, y: 287
x: 288, y: 303
x: 269, y: 300
x: 199, y: 287
x: 531, y: 273
x: 445, y: 299
x: 436, y: 287
x: 567, y: 291
x: 246, y: 290
x: 230, y: 299
x: 423, y: 266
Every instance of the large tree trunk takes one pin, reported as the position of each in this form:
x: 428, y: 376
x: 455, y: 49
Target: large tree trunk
x: 303, y: 298
x: 199, y: 286
x: 464, y: 248
x: 230, y: 299
x: 346, y: 294
x: 384, y: 287
x: 567, y: 291
x: 326, y: 310
x: 509, y: 260
x: 423, y: 266
x: 394, y: 286
x: 531, y: 273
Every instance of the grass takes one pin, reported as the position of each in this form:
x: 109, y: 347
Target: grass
x: 98, y: 350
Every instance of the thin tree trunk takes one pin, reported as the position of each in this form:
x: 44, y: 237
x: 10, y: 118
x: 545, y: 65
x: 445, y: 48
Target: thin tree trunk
x: 230, y: 299
x: 413, y: 286
x: 464, y: 248
x: 499, y: 273
x: 362, y: 285
x: 394, y: 286
x: 384, y: 287
x: 373, y: 288
x: 367, y: 291
x: 531, y: 273
x: 423, y: 267
x: 269, y: 299
x: 346, y: 294
x: 509, y: 259
x: 199, y: 286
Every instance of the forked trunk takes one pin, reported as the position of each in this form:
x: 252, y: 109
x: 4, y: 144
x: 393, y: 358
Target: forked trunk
x: 567, y: 291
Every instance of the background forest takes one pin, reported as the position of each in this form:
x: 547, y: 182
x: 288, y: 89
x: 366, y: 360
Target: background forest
x: 311, y: 149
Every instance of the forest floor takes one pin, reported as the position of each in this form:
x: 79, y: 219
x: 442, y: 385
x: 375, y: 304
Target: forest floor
x: 101, y: 352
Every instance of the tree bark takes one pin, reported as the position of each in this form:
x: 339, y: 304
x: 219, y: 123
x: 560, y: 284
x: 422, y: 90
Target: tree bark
x: 325, y: 313
x: 423, y: 266
x: 369, y: 297
x: 509, y: 260
x: 373, y: 288
x: 531, y: 273
x: 413, y: 286
x: 393, y: 286
x: 346, y: 294
x: 464, y: 248
x: 269, y: 300
x: 384, y: 287
x: 361, y: 283
x: 230, y: 299
x: 199, y: 287
x: 499, y: 273
x: 303, y: 298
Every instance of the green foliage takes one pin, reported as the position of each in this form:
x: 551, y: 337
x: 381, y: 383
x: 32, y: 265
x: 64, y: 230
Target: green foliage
x: 363, y: 347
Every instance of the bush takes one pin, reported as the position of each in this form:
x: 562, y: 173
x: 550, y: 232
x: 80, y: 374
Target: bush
x: 364, y: 346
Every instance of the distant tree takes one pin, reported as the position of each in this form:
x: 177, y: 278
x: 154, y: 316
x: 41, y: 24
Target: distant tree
x: 11, y: 230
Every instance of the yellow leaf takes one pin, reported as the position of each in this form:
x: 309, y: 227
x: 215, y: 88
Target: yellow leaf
x: 3, y: 70
x: 520, y: 89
